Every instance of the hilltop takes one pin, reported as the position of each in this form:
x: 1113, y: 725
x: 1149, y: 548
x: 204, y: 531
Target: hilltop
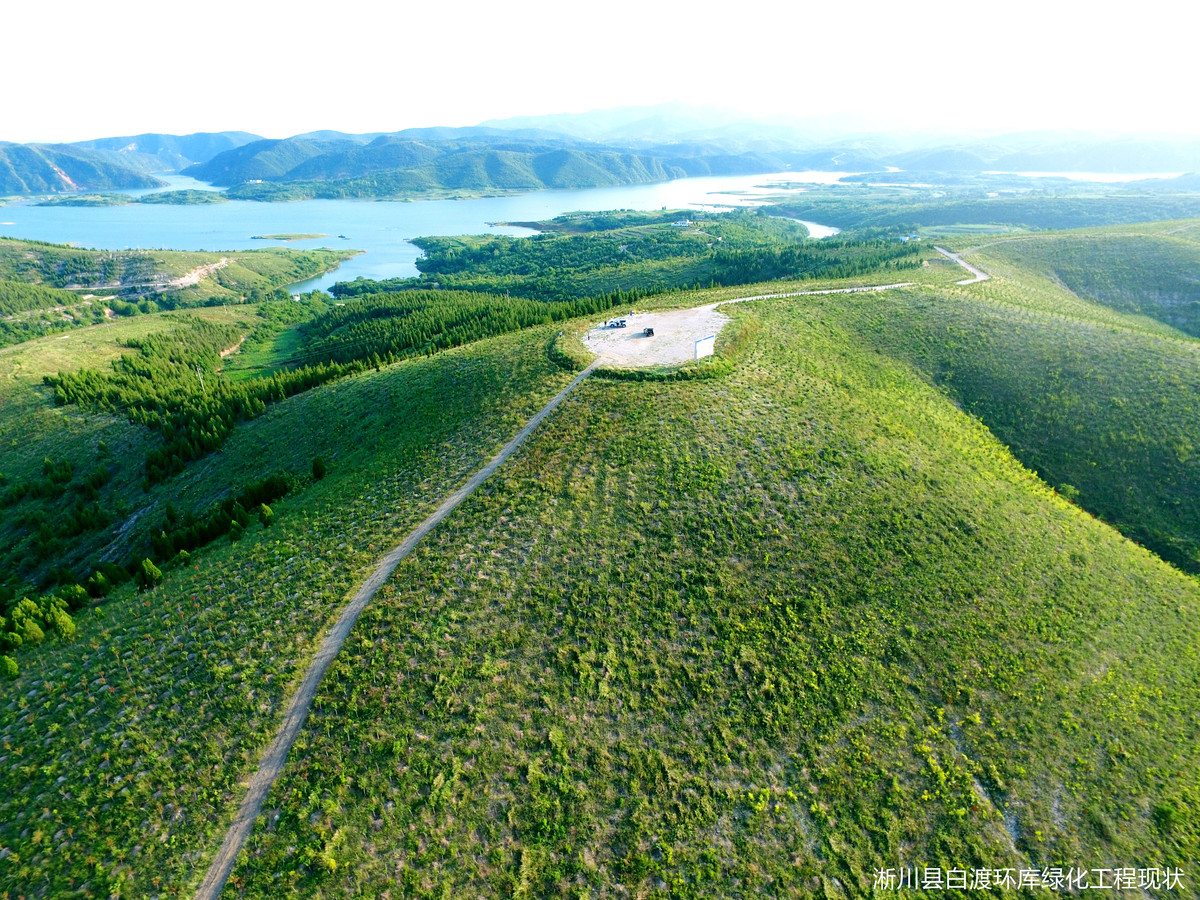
x: 858, y: 593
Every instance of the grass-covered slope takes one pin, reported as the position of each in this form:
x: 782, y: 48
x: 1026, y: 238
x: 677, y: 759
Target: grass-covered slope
x: 1107, y: 416
x: 141, y: 272
x: 121, y: 752
x: 1152, y: 270
x: 748, y: 636
x: 755, y: 634
x: 1100, y: 402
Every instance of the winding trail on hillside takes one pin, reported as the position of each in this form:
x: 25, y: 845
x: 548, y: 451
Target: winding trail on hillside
x: 297, y: 711
x: 979, y: 274
x: 298, y: 707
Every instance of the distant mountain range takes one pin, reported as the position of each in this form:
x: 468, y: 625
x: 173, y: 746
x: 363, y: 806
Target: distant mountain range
x: 603, y: 147
x: 167, y: 153
x: 116, y: 163
x: 394, y: 165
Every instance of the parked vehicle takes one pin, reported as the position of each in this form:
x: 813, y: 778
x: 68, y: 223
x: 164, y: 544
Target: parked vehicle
x: 649, y: 332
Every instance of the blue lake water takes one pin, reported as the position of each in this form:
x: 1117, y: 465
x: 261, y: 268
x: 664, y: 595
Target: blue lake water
x: 380, y: 228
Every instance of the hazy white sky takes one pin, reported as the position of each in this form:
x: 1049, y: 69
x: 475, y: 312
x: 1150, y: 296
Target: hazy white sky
x: 78, y: 70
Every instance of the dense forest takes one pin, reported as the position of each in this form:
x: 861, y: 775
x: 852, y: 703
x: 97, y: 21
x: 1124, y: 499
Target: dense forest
x: 396, y: 166
x: 614, y: 253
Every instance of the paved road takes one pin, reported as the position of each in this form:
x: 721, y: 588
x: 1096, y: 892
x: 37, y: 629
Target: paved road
x: 272, y: 762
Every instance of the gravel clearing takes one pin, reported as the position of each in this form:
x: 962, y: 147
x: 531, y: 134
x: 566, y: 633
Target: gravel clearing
x: 675, y: 335
x: 676, y: 331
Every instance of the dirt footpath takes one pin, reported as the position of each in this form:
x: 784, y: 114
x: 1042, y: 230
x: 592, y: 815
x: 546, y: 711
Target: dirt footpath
x: 675, y: 334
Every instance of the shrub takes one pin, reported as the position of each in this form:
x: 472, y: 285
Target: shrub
x: 75, y: 595
x: 318, y: 468
x: 31, y: 632
x: 1069, y: 492
x: 25, y: 611
x: 61, y: 623
x: 1165, y: 817
x: 265, y: 515
x: 8, y: 667
x: 97, y: 585
x: 148, y: 575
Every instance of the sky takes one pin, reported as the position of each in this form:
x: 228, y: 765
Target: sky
x: 90, y: 70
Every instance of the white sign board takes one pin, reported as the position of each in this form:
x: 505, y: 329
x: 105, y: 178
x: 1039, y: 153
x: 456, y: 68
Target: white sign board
x: 706, y: 346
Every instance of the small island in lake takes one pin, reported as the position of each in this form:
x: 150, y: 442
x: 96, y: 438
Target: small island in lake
x: 287, y: 236
x: 184, y: 198
x: 174, y: 198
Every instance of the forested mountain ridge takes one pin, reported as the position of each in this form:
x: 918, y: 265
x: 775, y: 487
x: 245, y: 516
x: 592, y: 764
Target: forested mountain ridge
x: 55, y: 168
x: 392, y: 165
x: 167, y: 152
x: 668, y: 141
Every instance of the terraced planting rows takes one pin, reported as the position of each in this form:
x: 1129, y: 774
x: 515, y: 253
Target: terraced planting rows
x: 1153, y: 272
x: 1096, y: 395
x: 754, y: 634
x: 748, y: 636
x: 120, y: 753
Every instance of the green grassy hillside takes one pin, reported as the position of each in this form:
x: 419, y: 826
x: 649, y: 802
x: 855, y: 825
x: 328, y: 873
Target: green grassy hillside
x: 760, y: 636
x: 1152, y: 272
x: 152, y: 761
x: 1099, y: 401
x: 158, y: 271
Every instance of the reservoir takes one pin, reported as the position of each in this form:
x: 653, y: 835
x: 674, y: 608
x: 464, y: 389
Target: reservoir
x: 382, y: 229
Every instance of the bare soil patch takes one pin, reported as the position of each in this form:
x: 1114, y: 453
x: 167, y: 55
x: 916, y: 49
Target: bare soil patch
x: 675, y: 334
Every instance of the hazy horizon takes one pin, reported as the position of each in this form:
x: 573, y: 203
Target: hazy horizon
x: 230, y: 67
x: 835, y: 126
